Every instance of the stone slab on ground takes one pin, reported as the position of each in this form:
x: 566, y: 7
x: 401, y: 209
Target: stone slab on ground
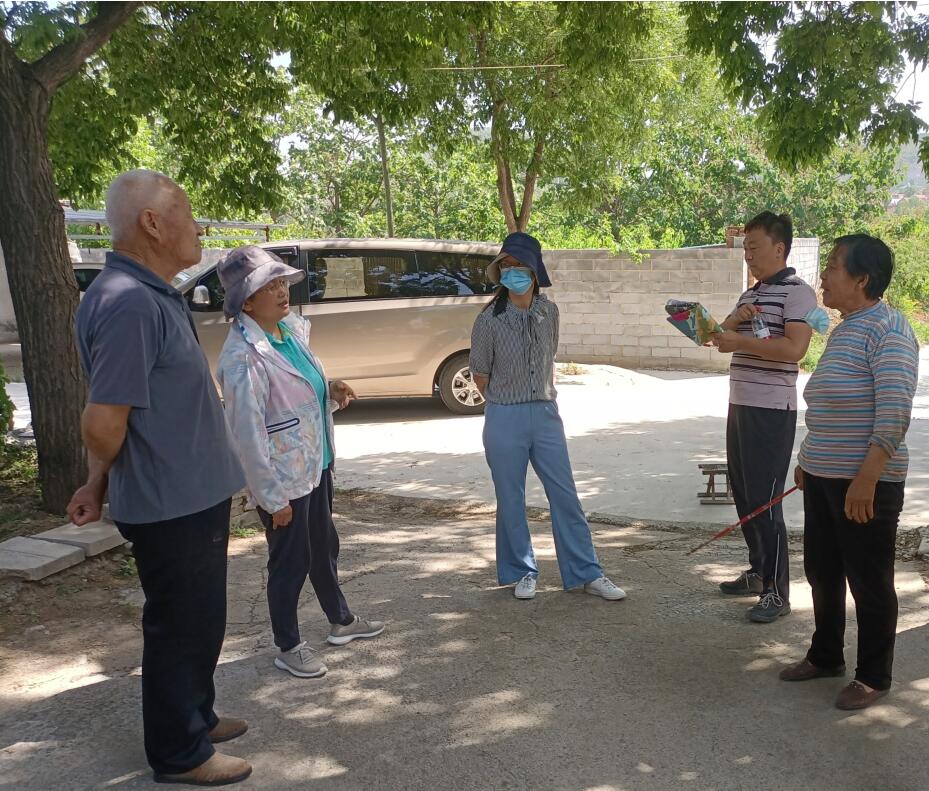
x: 93, y: 538
x: 30, y: 559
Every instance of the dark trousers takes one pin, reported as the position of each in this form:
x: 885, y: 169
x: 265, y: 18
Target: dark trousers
x: 308, y: 546
x: 759, y: 444
x: 182, y: 568
x: 835, y: 549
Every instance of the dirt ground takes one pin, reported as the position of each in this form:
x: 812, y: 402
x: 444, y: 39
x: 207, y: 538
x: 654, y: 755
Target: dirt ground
x: 469, y: 688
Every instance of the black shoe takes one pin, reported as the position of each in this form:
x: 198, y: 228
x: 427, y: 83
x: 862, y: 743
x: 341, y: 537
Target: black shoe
x: 770, y: 607
x: 747, y: 584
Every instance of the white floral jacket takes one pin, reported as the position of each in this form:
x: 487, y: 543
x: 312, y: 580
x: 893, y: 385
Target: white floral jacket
x: 274, y: 413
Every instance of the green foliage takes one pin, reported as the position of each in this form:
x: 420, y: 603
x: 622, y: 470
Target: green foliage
x: 19, y: 489
x: 127, y: 567
x: 908, y: 237
x: 203, y: 69
x: 814, y: 352
x: 818, y: 73
x: 240, y: 530
x: 333, y: 181
x: 6, y: 404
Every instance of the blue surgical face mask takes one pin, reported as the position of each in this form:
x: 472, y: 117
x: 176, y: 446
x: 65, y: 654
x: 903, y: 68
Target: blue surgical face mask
x: 519, y: 281
x: 818, y: 319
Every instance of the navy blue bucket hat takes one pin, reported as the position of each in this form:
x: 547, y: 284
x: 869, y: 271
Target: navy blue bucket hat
x: 527, y: 250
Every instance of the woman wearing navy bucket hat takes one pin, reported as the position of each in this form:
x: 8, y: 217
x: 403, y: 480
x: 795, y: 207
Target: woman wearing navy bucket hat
x: 279, y: 405
x: 513, y: 346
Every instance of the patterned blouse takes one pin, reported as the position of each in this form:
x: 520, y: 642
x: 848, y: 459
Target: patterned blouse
x: 516, y: 350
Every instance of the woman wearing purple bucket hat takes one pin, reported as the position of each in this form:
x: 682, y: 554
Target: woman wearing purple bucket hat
x: 279, y: 407
x: 513, y: 346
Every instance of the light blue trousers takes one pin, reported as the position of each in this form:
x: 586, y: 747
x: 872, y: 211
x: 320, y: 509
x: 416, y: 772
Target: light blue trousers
x: 514, y: 436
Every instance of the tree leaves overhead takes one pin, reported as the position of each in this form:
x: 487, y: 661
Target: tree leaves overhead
x: 204, y: 69
x: 816, y: 73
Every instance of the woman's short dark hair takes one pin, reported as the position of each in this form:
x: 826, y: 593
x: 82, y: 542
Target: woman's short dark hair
x: 868, y: 255
x: 778, y: 226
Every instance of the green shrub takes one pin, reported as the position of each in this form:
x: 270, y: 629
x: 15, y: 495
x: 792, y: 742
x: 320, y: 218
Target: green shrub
x: 814, y: 352
x: 6, y: 405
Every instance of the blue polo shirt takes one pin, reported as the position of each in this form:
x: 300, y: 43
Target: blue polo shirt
x: 139, y: 348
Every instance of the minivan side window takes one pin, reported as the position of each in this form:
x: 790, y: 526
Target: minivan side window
x: 453, y: 274
x: 217, y: 292
x: 359, y: 274
x: 299, y: 292
x: 289, y: 255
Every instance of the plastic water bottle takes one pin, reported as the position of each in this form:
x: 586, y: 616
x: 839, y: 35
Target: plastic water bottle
x: 759, y: 327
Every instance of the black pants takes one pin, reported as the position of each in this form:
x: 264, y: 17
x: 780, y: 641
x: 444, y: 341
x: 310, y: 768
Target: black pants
x: 835, y: 549
x: 182, y: 568
x: 309, y: 545
x: 759, y: 444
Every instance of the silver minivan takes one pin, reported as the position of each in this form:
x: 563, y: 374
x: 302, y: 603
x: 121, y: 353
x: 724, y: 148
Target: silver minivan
x: 392, y: 317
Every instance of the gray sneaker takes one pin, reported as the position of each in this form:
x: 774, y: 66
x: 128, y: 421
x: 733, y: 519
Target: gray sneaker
x: 770, y: 607
x: 746, y: 584
x: 301, y: 661
x: 340, y: 635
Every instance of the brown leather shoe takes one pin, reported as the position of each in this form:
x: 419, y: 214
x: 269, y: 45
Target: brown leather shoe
x: 805, y: 670
x: 857, y: 696
x: 219, y: 770
x: 227, y: 729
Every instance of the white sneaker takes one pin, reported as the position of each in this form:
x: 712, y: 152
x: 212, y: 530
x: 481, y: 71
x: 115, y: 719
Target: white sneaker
x: 301, y: 661
x: 604, y: 588
x: 340, y: 635
x: 525, y: 588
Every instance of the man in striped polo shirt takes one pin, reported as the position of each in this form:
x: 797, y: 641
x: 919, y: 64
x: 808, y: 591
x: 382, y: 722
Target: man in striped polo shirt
x: 763, y: 406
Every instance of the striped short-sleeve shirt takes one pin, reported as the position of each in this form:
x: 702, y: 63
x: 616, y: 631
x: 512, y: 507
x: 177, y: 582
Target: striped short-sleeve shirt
x: 861, y: 394
x: 516, y: 349
x: 754, y: 381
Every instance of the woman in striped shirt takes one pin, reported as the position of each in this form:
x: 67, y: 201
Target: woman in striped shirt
x: 513, y: 347
x: 852, y: 469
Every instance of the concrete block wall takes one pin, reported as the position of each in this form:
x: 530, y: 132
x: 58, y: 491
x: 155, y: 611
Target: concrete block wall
x: 612, y: 306
x: 804, y: 257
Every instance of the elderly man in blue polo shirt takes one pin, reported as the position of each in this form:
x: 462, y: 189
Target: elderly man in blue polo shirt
x: 157, y: 440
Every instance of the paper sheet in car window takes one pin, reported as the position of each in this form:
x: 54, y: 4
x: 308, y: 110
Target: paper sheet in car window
x: 692, y: 319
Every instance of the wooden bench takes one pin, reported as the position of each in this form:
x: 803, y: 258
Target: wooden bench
x: 712, y: 494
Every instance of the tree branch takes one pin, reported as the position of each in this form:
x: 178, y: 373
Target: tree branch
x: 64, y: 61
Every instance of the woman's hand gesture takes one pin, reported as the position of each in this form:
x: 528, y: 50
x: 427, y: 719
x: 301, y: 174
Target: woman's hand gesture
x: 341, y: 393
x: 283, y: 517
x: 859, y: 500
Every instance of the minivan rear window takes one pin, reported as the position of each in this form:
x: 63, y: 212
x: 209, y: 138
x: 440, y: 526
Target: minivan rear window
x: 453, y: 274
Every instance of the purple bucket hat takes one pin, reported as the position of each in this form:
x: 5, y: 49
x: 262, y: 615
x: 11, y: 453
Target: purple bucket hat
x: 246, y: 270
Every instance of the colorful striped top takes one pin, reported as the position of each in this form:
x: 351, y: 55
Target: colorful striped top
x: 861, y: 394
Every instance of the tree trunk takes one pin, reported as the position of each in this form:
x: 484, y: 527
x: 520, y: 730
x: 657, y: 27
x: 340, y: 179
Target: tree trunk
x: 42, y: 285
x: 385, y: 169
x: 532, y: 176
x: 504, y: 177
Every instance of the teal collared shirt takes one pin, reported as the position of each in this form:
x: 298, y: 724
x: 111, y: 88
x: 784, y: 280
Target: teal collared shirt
x: 291, y: 351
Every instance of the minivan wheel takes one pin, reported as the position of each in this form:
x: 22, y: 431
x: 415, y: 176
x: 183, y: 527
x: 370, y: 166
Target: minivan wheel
x: 457, y: 389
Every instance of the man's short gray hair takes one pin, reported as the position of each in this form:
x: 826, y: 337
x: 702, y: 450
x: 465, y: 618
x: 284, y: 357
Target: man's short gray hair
x: 130, y: 194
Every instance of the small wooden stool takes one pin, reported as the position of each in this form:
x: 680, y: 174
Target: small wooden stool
x: 712, y: 494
